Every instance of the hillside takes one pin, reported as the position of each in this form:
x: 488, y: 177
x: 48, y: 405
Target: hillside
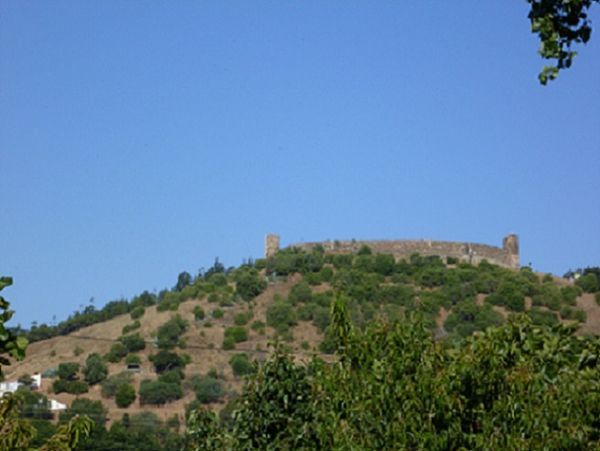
x: 453, y: 299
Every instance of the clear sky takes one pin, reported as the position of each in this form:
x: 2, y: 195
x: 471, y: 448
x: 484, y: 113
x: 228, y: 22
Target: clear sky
x: 141, y: 139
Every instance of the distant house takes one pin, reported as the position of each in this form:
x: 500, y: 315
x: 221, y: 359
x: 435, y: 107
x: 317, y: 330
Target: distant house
x: 55, y: 405
x: 13, y: 386
x: 9, y: 387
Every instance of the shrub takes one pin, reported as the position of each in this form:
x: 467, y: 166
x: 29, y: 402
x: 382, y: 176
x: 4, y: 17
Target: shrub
x: 228, y: 343
x: 249, y: 283
x: 158, y: 392
x: 588, y: 283
x: 72, y: 387
x: 94, y: 370
x: 329, y: 343
x: 111, y: 384
x: 280, y: 316
x: 384, y: 264
x: 508, y: 295
x: 241, y: 365
x: 116, y: 353
x: 129, y: 327
x: 321, y: 317
x: 133, y: 343
x: 125, y: 395
x: 83, y: 406
x: 171, y: 377
x: 543, y: 317
x: 568, y: 312
x: 241, y: 319
x: 257, y: 325
x: 77, y: 351
x: 137, y: 312
x: 217, y: 313
x: 467, y: 317
x: 209, y: 390
x: 167, y: 335
x: 68, y: 370
x: 238, y: 333
x: 300, y: 292
x: 326, y: 274
x: 199, y: 313
x: 166, y: 360
x: 570, y: 294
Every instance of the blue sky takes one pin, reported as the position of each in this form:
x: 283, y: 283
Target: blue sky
x: 141, y: 139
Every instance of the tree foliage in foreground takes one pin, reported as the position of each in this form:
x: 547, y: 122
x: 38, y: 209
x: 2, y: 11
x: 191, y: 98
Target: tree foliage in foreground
x: 559, y: 24
x: 516, y: 386
x: 10, y: 343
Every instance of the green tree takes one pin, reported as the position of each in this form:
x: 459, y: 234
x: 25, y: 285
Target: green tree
x: 241, y: 364
x: 133, y: 342
x: 94, y: 370
x: 209, y: 389
x: 68, y: 371
x: 83, y: 406
x: 249, y: 283
x: 125, y: 395
x: 559, y: 24
x: 10, y: 343
x: 159, y: 392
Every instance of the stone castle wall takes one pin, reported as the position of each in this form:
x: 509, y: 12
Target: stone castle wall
x: 506, y: 256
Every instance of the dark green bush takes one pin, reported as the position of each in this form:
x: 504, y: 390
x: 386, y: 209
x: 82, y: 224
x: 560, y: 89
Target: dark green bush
x: 68, y: 370
x: 171, y: 377
x: 111, y: 384
x: 209, y: 390
x: 165, y: 360
x: 199, y: 313
x: 543, y: 317
x: 133, y: 343
x: 116, y: 353
x: 217, y: 313
x: 73, y: 387
x: 570, y: 294
x: 249, y: 283
x: 301, y: 292
x: 568, y: 312
x: 137, y: 312
x: 158, y: 392
x: 588, y: 283
x: 467, y: 317
x: 238, y: 333
x: 125, y: 395
x: 280, y: 316
x: 129, y: 327
x: 241, y: 319
x: 94, y: 370
x: 168, y: 335
x: 241, y: 365
x: 228, y: 343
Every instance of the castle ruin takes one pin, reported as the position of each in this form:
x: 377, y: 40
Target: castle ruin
x: 506, y: 256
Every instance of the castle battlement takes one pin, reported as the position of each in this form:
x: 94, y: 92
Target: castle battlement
x: 506, y: 256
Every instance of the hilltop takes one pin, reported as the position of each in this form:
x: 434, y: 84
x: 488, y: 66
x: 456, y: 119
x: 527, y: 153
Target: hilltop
x: 225, y: 313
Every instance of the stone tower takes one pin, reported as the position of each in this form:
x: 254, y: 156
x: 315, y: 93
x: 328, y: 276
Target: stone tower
x: 510, y: 243
x: 271, y: 245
